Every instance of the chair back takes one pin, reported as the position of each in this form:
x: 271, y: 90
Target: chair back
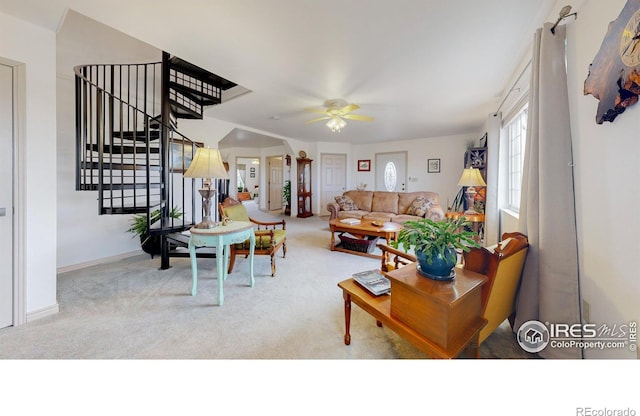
x: 234, y: 210
x: 503, y: 265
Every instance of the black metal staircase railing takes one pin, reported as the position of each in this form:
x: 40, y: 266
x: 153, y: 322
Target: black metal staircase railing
x: 127, y: 144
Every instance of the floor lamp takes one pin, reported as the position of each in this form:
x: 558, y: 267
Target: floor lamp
x: 207, y: 164
x: 471, y: 178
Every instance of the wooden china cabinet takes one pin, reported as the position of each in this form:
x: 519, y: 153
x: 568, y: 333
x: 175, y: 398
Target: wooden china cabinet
x: 304, y: 187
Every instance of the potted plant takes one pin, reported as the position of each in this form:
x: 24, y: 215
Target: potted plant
x: 150, y: 243
x: 435, y: 244
x: 286, y: 197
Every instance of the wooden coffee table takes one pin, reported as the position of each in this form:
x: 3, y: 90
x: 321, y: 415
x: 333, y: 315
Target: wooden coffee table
x: 388, y: 231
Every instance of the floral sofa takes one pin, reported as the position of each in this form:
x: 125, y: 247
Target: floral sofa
x: 387, y: 206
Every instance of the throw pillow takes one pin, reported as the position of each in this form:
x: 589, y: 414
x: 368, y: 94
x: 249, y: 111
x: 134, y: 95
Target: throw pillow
x: 419, y: 206
x: 346, y: 203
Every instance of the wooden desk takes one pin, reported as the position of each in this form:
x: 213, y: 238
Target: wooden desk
x: 446, y: 322
x: 221, y: 237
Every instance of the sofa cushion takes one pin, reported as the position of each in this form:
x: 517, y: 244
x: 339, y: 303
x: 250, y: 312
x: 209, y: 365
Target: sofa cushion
x: 361, y: 198
x: 406, y: 198
x: 419, y: 206
x: 402, y: 218
x: 378, y: 216
x: 352, y: 214
x: 385, y: 202
x: 346, y: 203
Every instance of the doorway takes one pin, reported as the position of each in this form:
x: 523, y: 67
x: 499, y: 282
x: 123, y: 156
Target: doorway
x: 334, y: 178
x: 7, y: 98
x: 391, y: 171
x: 276, y: 181
x: 248, y: 178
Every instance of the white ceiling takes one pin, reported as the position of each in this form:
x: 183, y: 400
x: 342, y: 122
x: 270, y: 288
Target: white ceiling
x: 421, y: 68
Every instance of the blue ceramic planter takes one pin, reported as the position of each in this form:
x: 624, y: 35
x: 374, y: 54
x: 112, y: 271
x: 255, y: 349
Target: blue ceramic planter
x: 440, y: 268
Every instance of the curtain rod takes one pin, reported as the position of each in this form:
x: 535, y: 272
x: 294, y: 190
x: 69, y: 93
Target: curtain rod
x: 512, y: 86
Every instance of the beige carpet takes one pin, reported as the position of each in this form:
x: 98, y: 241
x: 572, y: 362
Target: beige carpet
x: 133, y: 310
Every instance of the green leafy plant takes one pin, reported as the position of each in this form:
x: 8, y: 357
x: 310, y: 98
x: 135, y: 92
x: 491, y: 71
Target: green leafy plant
x: 286, y: 192
x: 139, y: 225
x: 432, y: 238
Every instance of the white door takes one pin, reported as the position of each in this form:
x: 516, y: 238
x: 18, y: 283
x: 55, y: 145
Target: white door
x: 391, y: 172
x: 275, y: 183
x: 334, y: 179
x: 6, y: 196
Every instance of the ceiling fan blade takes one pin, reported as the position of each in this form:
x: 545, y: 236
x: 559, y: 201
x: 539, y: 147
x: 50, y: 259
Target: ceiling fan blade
x: 317, y: 119
x: 357, y: 117
x: 349, y: 108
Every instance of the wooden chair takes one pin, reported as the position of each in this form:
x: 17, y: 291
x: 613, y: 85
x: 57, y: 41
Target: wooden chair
x: 270, y: 236
x: 393, y: 259
x: 503, y: 265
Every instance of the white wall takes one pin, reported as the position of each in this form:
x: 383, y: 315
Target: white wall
x: 607, y: 173
x: 450, y: 150
x: 35, y: 48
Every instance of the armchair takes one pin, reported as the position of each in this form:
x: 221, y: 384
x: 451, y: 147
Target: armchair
x: 503, y: 265
x: 270, y: 235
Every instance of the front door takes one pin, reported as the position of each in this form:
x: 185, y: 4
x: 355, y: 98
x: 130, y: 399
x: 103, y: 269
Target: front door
x: 275, y: 183
x: 6, y: 196
x: 334, y: 179
x: 391, y: 171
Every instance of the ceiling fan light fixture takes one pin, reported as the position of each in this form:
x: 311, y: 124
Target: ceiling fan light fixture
x: 336, y: 124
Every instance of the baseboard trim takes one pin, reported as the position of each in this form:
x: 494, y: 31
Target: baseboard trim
x: 96, y: 262
x: 44, y: 312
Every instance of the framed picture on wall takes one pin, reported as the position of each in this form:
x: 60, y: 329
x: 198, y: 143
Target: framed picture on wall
x: 252, y: 170
x: 181, y: 154
x: 433, y: 165
x: 364, y: 165
x: 252, y: 175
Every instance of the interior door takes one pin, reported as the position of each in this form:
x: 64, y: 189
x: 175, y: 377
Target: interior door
x: 391, y: 171
x: 334, y: 179
x: 6, y: 196
x: 275, y: 183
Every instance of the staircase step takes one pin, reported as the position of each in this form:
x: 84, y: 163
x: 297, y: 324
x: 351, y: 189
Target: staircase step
x: 121, y: 166
x: 200, y: 73
x: 201, y: 97
x: 123, y: 149
x: 138, y: 136
x: 118, y: 186
x: 185, y: 113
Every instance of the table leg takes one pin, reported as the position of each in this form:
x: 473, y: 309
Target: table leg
x: 221, y: 271
x: 252, y: 247
x: 194, y: 268
x: 347, y: 317
x: 333, y: 239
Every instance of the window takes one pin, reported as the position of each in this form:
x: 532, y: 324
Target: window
x: 390, y: 176
x: 516, y: 134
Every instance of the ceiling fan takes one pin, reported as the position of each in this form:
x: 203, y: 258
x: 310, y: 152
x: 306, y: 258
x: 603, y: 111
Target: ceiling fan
x: 336, y: 111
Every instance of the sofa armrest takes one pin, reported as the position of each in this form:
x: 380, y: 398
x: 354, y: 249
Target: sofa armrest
x: 333, y: 209
x: 435, y: 213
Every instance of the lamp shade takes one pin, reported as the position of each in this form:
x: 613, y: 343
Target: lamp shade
x: 207, y: 163
x: 471, y: 177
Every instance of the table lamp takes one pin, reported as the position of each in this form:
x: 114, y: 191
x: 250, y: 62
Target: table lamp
x: 207, y: 164
x: 471, y: 178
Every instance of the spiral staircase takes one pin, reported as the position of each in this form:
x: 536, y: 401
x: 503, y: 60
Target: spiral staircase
x: 128, y: 146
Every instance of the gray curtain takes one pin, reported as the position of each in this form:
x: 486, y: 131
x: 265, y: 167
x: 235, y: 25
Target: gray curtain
x: 549, y: 290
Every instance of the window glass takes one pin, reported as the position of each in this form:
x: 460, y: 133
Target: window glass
x: 390, y: 176
x: 516, y: 131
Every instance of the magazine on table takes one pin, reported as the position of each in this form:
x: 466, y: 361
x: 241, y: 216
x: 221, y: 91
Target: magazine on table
x: 350, y: 221
x: 374, y: 281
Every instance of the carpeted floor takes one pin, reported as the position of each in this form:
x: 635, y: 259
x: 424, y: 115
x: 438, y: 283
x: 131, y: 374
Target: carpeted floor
x: 132, y: 310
